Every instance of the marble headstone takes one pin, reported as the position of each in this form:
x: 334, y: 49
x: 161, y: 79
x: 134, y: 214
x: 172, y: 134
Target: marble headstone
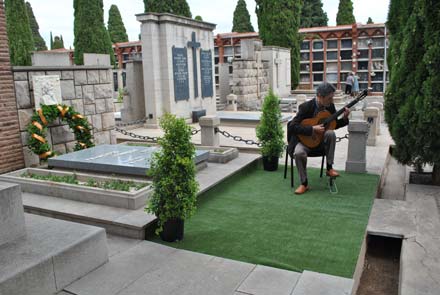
x: 47, y: 90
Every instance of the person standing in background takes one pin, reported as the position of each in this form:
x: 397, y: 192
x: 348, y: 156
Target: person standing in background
x: 355, y: 89
x: 349, y: 84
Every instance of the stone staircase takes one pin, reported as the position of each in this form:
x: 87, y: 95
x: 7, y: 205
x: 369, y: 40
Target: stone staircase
x: 40, y: 255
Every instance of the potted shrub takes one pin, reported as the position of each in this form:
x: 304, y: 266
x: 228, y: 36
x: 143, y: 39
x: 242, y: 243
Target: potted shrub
x: 173, y: 175
x: 270, y: 132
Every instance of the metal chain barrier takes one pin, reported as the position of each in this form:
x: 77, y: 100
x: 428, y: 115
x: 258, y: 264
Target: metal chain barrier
x: 338, y: 139
x: 238, y: 138
x: 142, y: 137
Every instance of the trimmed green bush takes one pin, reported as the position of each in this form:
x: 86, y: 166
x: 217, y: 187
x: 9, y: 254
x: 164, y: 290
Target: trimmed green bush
x: 173, y: 173
x: 270, y: 131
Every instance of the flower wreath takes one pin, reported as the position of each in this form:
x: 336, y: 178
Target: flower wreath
x: 47, y: 114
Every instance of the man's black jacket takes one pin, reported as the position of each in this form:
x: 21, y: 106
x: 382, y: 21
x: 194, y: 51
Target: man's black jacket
x: 307, y: 110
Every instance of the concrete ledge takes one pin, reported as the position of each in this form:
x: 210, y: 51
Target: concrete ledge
x: 60, y: 68
x: 52, y: 255
x: 11, y: 213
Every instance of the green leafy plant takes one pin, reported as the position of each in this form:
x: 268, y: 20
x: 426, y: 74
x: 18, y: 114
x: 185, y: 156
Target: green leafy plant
x: 270, y: 131
x: 173, y: 173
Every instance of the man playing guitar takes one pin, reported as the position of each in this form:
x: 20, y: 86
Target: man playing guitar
x: 310, y: 109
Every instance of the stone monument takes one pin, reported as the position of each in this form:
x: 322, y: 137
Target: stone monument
x: 178, y: 66
x: 279, y: 69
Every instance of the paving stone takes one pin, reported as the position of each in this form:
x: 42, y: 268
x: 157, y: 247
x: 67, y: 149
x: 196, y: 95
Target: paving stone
x: 117, y: 244
x: 67, y: 89
x: 22, y: 94
x: 123, y: 270
x: 313, y: 283
x: 265, y: 280
x: 186, y: 272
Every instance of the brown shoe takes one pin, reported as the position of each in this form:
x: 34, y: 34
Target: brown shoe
x: 332, y: 173
x: 301, y: 189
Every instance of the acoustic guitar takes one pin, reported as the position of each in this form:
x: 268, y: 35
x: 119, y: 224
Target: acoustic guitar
x: 328, y: 120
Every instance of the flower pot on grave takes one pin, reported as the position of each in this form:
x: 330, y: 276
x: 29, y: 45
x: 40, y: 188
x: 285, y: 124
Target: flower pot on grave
x: 270, y: 163
x: 172, y: 230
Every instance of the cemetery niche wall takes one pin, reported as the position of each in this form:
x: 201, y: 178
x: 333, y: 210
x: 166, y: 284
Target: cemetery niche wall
x: 178, y: 66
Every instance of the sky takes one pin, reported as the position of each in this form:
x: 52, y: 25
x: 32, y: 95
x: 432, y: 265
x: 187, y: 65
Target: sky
x: 57, y: 15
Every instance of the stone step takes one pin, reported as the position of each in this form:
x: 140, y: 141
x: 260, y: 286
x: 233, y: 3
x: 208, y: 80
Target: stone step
x: 52, y: 255
x: 12, y: 224
x: 118, y: 221
x: 313, y: 283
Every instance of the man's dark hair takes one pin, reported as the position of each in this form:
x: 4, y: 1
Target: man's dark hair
x: 325, y: 89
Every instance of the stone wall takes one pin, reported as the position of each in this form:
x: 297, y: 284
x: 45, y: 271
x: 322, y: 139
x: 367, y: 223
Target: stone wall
x: 250, y: 76
x: 88, y: 89
x: 11, y: 154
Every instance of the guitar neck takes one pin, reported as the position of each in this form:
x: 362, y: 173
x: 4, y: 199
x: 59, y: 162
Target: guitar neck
x: 361, y: 96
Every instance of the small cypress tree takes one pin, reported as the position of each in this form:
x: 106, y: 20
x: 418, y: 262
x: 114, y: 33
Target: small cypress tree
x: 62, y: 41
x: 370, y: 21
x: 91, y: 36
x: 313, y: 14
x: 21, y: 43
x: 51, y: 41
x: 199, y: 18
x: 345, y: 14
x: 177, y: 7
x: 116, y: 26
x: 57, y: 43
x: 278, y: 22
x: 241, y: 22
x: 39, y: 42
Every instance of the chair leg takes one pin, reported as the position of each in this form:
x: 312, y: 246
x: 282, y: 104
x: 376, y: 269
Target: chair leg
x: 291, y: 172
x: 285, y: 165
x: 322, y: 165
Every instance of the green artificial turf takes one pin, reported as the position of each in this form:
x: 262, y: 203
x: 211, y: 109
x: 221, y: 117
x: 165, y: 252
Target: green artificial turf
x: 255, y: 217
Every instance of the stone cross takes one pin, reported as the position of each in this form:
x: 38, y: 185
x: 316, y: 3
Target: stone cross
x: 194, y: 45
x: 278, y: 62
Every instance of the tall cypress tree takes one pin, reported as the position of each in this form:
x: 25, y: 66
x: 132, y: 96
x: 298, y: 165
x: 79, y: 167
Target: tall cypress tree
x: 57, y: 43
x: 278, y: 22
x: 177, y: 7
x: 39, y: 42
x: 406, y: 108
x: 116, y: 26
x: 428, y: 106
x: 242, y: 19
x: 313, y: 14
x: 345, y: 14
x: 51, y: 41
x: 370, y: 21
x: 21, y: 43
x: 91, y: 36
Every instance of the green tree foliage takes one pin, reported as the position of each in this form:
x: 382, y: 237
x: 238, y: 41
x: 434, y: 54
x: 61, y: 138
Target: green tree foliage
x: 21, y: 42
x: 58, y: 43
x: 91, y: 36
x: 370, y: 21
x: 270, y: 131
x: 345, y: 14
x: 177, y: 7
x: 313, y: 14
x: 199, y: 18
x: 278, y: 22
x: 39, y: 42
x: 412, y: 105
x: 115, y: 26
x: 51, y: 41
x: 241, y: 22
x: 173, y: 173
